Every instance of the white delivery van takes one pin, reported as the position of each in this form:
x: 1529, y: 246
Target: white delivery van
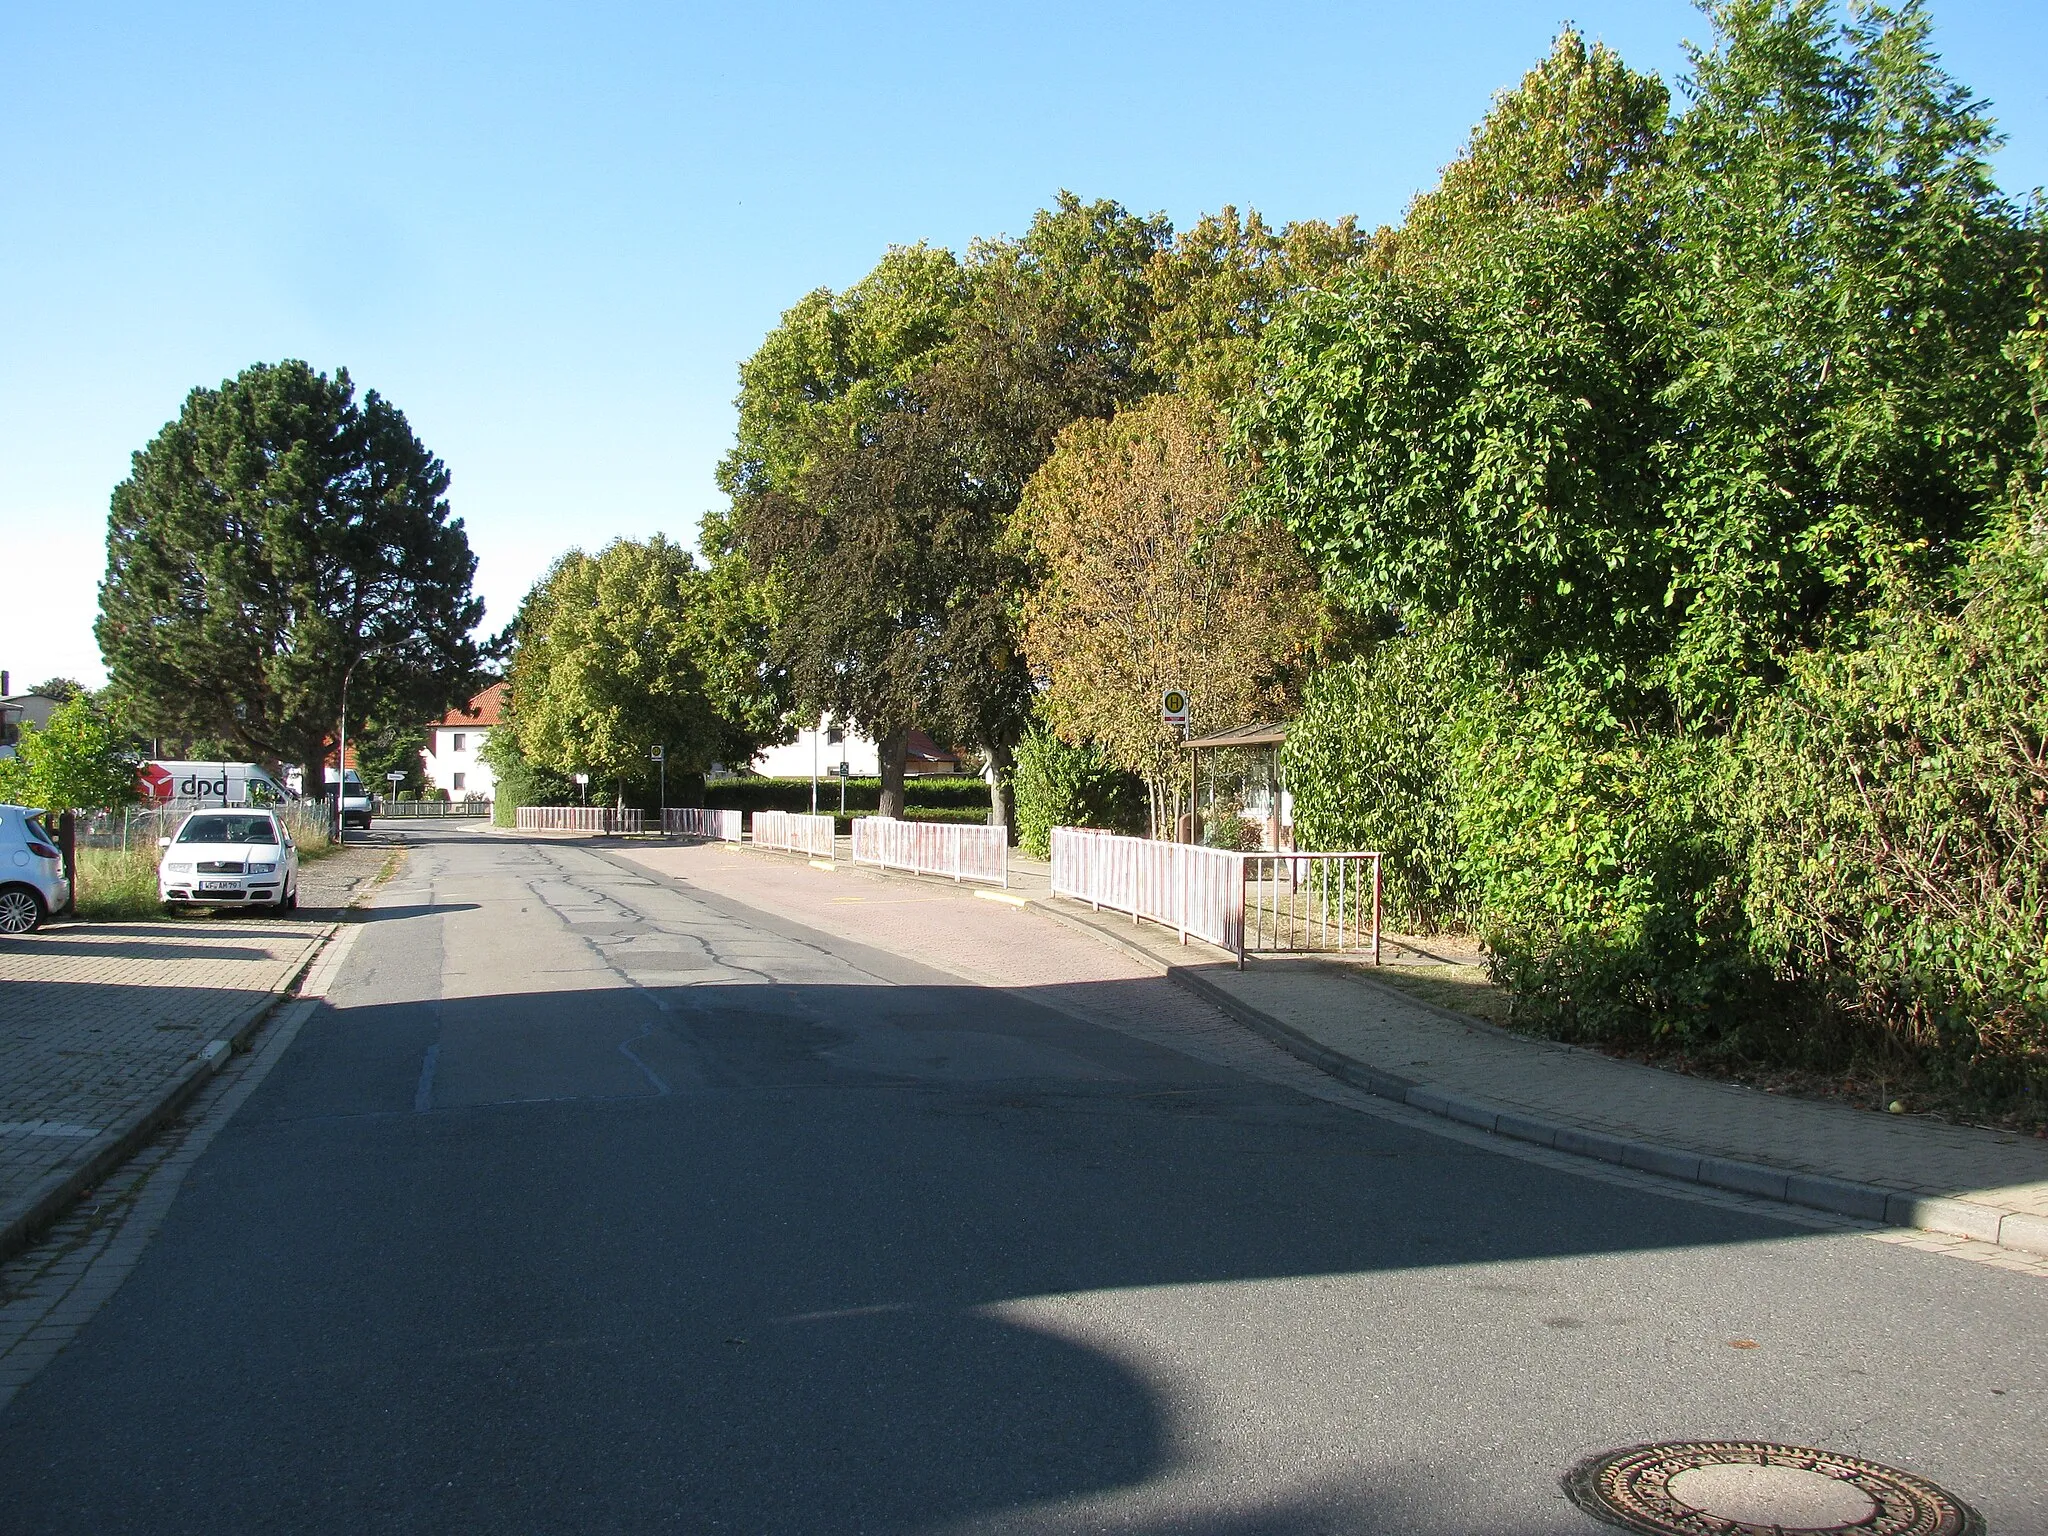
x: 210, y: 784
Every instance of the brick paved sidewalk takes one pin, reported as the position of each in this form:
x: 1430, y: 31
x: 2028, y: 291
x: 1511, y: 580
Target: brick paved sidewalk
x: 98, y: 1020
x: 1990, y: 1185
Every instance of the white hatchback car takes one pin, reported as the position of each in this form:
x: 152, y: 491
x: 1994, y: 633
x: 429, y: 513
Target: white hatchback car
x: 241, y: 856
x: 32, y: 883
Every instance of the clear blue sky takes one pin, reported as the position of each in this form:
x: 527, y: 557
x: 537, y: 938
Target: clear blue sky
x: 551, y: 234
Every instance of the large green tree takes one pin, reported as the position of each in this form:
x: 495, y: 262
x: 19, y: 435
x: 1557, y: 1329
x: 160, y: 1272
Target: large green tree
x: 277, y: 538
x: 886, y: 434
x: 608, y: 667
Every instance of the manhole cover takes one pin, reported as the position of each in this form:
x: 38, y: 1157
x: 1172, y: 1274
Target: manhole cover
x: 1747, y: 1488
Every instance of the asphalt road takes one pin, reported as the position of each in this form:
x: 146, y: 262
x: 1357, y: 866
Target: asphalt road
x: 595, y: 1203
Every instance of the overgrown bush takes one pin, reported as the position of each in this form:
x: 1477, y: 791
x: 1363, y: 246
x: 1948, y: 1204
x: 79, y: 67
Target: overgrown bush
x: 1596, y: 854
x: 1367, y: 763
x: 117, y: 884
x: 1061, y: 785
x: 1898, y: 810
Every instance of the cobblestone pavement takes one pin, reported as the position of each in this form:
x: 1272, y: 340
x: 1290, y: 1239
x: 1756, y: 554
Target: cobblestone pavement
x: 1395, y: 1034
x: 96, y: 1018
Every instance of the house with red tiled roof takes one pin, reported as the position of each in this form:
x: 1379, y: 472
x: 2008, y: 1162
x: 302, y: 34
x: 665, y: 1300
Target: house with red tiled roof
x: 450, y: 760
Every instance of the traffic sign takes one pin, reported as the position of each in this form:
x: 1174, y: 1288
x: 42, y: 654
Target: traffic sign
x: 1173, y: 706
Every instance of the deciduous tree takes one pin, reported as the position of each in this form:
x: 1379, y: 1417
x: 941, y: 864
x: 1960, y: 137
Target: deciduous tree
x: 1146, y: 581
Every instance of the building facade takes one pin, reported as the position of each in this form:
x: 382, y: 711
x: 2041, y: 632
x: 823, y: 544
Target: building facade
x: 452, y: 758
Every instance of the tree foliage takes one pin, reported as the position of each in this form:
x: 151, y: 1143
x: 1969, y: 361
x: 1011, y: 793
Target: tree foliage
x: 607, y: 668
x: 80, y: 761
x: 1063, y: 785
x: 1146, y: 581
x: 1368, y: 761
x: 277, y: 534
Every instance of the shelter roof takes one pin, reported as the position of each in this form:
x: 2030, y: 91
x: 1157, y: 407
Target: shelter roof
x: 1261, y: 733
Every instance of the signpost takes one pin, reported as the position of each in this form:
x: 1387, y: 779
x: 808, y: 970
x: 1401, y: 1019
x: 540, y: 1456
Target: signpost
x: 1173, y: 711
x: 394, y: 779
x: 660, y: 755
x: 582, y: 786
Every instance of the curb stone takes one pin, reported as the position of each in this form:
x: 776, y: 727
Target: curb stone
x: 2017, y: 1230
x: 23, y: 1220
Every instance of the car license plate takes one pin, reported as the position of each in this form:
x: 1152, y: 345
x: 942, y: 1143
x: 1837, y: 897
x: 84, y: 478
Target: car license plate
x: 220, y: 885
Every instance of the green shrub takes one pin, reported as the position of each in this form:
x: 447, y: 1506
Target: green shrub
x: 1898, y: 816
x: 961, y: 792
x: 1367, y: 762
x: 1598, y: 860
x: 1059, y: 785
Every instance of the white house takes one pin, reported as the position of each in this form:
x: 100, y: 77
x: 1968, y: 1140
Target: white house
x: 828, y: 744
x: 450, y: 759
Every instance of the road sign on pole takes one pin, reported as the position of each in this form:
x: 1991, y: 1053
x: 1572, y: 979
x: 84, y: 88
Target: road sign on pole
x: 1173, y: 706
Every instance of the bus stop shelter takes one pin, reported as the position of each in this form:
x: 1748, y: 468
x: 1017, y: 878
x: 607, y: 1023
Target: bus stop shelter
x: 1268, y: 735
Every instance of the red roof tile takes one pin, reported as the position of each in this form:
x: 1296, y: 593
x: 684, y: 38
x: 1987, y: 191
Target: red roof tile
x: 484, y: 709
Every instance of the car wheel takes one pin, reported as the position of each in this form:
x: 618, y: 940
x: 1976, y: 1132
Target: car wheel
x: 21, y: 910
x: 291, y: 900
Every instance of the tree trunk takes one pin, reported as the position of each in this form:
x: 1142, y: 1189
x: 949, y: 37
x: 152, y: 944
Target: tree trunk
x: 894, y: 749
x: 1002, y: 763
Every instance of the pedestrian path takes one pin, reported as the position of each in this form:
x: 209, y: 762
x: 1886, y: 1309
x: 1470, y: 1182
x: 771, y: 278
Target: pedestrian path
x: 98, y: 1020
x: 1907, y: 1170
x: 1948, y: 1177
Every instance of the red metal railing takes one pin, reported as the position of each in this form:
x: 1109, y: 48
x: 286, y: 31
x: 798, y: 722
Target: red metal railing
x: 713, y: 826
x: 933, y: 848
x: 793, y: 833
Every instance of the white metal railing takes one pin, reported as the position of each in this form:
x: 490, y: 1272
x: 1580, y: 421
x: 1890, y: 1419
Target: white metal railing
x: 1243, y: 902
x: 693, y: 821
x: 604, y: 820
x: 1318, y: 902
x: 793, y: 833
x: 427, y: 810
x: 934, y: 848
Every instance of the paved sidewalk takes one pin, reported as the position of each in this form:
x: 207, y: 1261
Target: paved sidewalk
x: 100, y: 1022
x: 1904, y: 1170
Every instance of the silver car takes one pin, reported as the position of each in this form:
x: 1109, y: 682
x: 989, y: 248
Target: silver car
x: 32, y: 883
x: 238, y: 857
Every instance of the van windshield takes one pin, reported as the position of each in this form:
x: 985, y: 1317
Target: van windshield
x: 229, y: 829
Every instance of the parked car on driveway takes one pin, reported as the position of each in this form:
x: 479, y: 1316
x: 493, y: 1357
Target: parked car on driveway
x: 242, y: 857
x: 32, y: 883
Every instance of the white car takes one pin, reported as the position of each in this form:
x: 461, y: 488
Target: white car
x: 32, y: 883
x: 241, y: 857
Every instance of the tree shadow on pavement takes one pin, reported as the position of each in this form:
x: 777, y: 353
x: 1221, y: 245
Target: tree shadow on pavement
x: 805, y: 1262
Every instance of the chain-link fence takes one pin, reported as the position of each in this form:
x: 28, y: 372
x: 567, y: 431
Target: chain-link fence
x: 308, y: 821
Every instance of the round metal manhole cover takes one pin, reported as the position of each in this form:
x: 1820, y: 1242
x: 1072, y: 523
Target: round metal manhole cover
x: 1749, y: 1488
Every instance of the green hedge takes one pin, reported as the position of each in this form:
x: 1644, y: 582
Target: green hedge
x: 1367, y: 761
x: 1062, y: 785
x: 948, y: 792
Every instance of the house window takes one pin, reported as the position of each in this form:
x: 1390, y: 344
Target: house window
x: 458, y: 780
x: 459, y: 740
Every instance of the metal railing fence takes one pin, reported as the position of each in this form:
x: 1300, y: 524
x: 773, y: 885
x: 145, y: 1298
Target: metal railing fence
x: 603, y: 820
x: 714, y: 826
x: 427, y: 810
x: 310, y: 822
x: 1248, y: 903
x: 1315, y: 902
x: 934, y: 848
x: 793, y: 832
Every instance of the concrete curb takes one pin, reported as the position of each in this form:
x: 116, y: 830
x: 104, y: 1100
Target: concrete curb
x: 24, y: 1219
x: 2017, y: 1230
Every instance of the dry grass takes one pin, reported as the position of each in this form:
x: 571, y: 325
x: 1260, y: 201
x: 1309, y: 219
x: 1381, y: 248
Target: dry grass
x: 116, y: 885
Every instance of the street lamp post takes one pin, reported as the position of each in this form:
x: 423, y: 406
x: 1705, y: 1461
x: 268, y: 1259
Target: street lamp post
x: 341, y: 749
